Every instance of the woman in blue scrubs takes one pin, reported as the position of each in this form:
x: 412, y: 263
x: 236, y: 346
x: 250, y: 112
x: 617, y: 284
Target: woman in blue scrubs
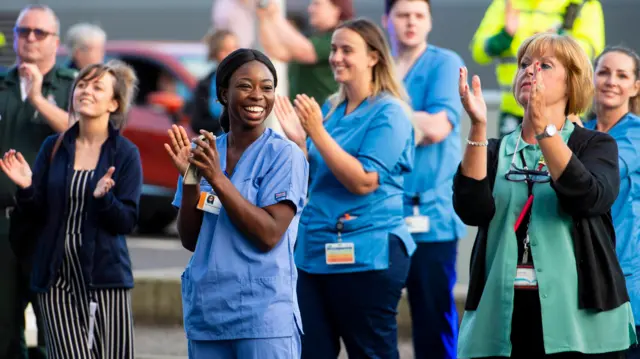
x: 353, y: 245
x: 241, y: 221
x: 617, y: 109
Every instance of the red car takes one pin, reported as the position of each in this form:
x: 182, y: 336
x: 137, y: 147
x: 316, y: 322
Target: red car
x: 168, y: 73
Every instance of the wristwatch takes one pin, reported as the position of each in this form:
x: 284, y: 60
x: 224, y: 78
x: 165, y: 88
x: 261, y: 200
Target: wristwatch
x: 549, y: 131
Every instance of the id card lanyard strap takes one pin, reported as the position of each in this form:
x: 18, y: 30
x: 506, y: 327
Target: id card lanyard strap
x: 526, y: 211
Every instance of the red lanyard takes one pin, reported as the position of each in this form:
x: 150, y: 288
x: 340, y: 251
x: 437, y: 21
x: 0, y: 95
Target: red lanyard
x: 527, y: 206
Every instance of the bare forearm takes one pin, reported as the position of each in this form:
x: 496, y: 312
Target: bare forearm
x: 189, y: 217
x: 347, y: 169
x: 57, y: 118
x: 474, y: 161
x: 435, y: 127
x: 298, y: 46
x: 271, y: 40
x: 253, y: 222
x: 556, y: 154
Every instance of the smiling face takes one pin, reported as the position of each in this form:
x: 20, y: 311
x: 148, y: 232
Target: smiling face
x: 93, y: 97
x: 615, y: 80
x: 409, y: 22
x: 554, y: 78
x: 250, y: 95
x: 350, y: 58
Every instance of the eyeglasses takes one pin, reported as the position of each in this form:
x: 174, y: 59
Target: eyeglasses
x: 39, y: 34
x: 516, y: 174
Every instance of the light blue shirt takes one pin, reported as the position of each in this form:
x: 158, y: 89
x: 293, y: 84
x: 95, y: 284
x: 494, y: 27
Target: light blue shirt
x: 215, y: 107
x: 230, y: 289
x: 379, y: 134
x: 432, y: 83
x: 626, y: 209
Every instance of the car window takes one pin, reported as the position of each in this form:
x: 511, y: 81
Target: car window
x: 154, y: 76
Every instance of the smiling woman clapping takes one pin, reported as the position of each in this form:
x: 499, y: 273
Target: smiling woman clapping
x: 241, y: 220
x: 85, y: 188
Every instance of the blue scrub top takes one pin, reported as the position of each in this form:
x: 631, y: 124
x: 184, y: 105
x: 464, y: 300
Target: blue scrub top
x: 626, y: 209
x: 432, y: 83
x: 379, y: 134
x: 215, y: 107
x: 230, y: 289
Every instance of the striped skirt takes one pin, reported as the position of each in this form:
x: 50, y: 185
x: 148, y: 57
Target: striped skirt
x: 66, y: 307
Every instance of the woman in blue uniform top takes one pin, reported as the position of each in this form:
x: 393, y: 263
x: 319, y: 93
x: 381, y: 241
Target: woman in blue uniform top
x: 617, y: 106
x: 241, y: 220
x: 353, y: 246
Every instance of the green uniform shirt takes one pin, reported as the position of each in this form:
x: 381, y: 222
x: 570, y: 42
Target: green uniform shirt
x: 21, y: 126
x: 486, y: 331
x: 315, y: 80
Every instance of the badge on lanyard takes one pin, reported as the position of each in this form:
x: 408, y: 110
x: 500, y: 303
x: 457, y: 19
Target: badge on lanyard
x: 209, y: 203
x: 525, y: 277
x: 340, y: 252
x: 417, y: 223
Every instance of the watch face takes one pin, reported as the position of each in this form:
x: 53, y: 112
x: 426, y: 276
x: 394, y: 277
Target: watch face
x: 551, y: 130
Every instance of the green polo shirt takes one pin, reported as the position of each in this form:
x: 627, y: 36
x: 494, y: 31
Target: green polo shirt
x: 21, y: 126
x: 315, y: 80
x: 486, y: 331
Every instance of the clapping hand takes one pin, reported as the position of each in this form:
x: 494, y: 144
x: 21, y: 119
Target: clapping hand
x: 286, y: 115
x: 537, y: 105
x: 309, y: 113
x: 16, y: 168
x: 473, y: 102
x: 105, y: 184
x: 179, y: 148
x: 206, y: 158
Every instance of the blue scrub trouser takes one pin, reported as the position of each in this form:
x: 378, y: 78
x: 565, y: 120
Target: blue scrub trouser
x: 358, y: 307
x: 433, y: 309
x: 634, y: 351
x: 265, y: 348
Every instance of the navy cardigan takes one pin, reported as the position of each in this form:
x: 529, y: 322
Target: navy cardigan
x: 104, y: 256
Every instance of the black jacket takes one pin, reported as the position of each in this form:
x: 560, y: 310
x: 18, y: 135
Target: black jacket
x: 586, y: 191
x: 198, y: 109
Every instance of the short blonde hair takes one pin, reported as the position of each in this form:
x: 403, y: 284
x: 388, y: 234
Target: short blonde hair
x: 580, y: 88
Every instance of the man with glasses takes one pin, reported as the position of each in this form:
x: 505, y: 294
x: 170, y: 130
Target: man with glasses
x: 33, y: 96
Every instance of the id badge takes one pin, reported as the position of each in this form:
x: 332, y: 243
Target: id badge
x: 526, y: 277
x: 209, y: 203
x: 417, y: 224
x: 340, y: 253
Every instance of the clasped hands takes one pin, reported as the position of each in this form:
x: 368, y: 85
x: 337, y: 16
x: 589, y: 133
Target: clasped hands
x: 475, y: 106
x: 204, y: 155
x: 305, y: 119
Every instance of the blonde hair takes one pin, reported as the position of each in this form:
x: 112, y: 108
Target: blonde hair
x: 634, y: 102
x: 124, y: 87
x: 384, y: 78
x: 578, y: 67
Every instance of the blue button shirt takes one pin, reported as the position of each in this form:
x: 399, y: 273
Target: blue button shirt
x: 230, y: 289
x: 432, y: 83
x: 626, y: 209
x: 379, y: 134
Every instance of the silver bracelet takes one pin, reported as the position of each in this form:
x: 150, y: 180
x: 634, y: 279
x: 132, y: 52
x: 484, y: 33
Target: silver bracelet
x: 478, y: 144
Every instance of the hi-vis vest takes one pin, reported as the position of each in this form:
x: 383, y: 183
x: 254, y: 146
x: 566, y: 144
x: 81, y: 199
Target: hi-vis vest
x: 535, y: 16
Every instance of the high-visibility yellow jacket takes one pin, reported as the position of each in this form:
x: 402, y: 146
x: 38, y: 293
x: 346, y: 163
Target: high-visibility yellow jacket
x: 3, y: 41
x: 492, y: 44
